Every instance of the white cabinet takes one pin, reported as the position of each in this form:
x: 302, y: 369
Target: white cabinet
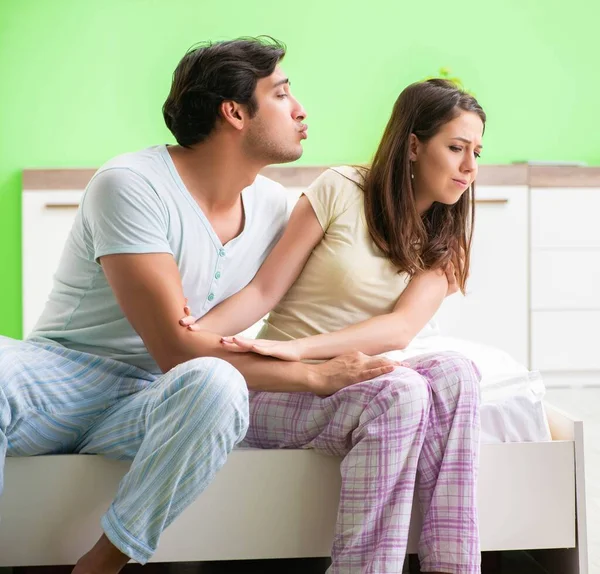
x: 563, y: 279
x: 562, y: 342
x: 47, y: 217
x: 565, y: 218
x: 565, y: 284
x: 495, y: 309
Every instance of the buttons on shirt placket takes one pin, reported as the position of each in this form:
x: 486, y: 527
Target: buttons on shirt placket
x: 217, y: 275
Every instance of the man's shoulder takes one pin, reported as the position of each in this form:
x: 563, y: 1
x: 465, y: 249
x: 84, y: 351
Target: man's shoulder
x: 268, y: 185
x: 143, y: 158
x: 269, y: 192
x: 267, y: 203
x: 138, y: 166
x: 135, y: 173
x: 130, y: 181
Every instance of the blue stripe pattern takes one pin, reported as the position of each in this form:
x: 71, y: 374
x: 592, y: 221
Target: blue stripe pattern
x: 177, y: 428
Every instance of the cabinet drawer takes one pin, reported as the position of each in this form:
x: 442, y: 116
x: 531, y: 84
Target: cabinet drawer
x: 565, y: 279
x: 47, y: 218
x: 565, y: 340
x: 565, y: 218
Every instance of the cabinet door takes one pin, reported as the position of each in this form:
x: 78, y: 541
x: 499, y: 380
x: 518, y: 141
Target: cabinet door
x: 46, y: 221
x: 565, y: 218
x: 565, y: 278
x: 495, y: 309
x: 565, y: 281
x: 565, y: 341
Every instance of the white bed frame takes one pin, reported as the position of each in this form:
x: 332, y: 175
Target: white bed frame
x: 282, y: 504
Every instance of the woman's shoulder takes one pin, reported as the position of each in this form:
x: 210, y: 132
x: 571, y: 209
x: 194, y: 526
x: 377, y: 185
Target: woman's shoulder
x: 337, y: 190
x: 348, y: 175
x: 342, y: 182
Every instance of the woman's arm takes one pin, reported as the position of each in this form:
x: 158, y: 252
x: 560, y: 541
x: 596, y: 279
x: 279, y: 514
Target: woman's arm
x: 274, y: 278
x: 415, y: 307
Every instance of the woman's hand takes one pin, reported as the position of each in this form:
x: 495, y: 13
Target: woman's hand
x: 450, y: 271
x: 284, y: 350
x: 188, y: 320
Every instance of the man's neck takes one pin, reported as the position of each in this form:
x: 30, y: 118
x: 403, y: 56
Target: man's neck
x: 215, y: 174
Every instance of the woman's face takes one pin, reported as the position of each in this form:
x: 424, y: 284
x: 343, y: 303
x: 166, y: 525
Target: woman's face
x: 445, y: 166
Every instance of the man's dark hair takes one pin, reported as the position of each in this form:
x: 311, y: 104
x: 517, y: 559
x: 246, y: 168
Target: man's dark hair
x: 211, y: 73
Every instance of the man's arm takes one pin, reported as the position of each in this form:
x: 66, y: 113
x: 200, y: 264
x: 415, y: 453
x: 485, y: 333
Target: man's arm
x: 149, y: 291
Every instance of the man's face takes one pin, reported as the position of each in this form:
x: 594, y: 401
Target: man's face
x: 276, y: 132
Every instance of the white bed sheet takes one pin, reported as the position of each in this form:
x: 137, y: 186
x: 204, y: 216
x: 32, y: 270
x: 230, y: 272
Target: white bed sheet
x: 512, y: 408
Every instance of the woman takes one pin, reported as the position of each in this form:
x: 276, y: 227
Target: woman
x: 362, y: 267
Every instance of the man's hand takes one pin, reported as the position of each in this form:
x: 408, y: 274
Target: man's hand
x: 346, y: 370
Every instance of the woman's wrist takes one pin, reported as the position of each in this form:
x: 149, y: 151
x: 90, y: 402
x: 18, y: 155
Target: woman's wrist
x: 302, y: 348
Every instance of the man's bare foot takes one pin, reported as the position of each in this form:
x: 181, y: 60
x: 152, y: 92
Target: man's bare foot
x: 103, y: 558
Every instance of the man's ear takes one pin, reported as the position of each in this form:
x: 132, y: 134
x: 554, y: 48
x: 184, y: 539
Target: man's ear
x: 234, y: 114
x: 413, y: 147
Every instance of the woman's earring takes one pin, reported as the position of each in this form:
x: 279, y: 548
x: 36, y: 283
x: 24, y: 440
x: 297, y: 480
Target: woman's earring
x: 412, y: 174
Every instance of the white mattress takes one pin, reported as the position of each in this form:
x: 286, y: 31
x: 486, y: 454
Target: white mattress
x: 512, y: 408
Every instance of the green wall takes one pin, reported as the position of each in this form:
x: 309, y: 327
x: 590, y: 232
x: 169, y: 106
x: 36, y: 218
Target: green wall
x: 83, y: 80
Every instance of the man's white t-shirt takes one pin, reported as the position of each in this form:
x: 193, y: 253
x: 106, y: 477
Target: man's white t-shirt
x: 137, y: 203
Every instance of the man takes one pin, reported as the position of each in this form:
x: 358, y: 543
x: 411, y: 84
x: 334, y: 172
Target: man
x: 100, y: 373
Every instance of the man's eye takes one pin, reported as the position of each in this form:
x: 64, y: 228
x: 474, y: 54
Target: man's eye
x: 282, y: 95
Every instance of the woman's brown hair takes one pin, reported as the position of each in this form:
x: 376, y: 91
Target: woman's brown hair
x: 415, y: 242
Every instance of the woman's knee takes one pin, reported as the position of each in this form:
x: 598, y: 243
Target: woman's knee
x: 406, y: 386
x: 450, y: 370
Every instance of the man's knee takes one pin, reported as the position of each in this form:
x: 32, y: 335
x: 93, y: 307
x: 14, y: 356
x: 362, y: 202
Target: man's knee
x: 219, y: 384
x: 9, y: 357
x: 11, y: 362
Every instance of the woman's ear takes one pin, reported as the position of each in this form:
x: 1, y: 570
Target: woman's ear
x: 413, y: 147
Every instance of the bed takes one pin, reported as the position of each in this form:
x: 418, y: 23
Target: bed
x: 282, y: 504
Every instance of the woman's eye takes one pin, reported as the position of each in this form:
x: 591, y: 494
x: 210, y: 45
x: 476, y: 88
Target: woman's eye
x: 455, y: 148
x: 282, y: 95
x: 477, y: 155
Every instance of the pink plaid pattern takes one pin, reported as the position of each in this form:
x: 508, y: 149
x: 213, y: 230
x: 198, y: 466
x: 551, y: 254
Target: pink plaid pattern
x: 417, y: 427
